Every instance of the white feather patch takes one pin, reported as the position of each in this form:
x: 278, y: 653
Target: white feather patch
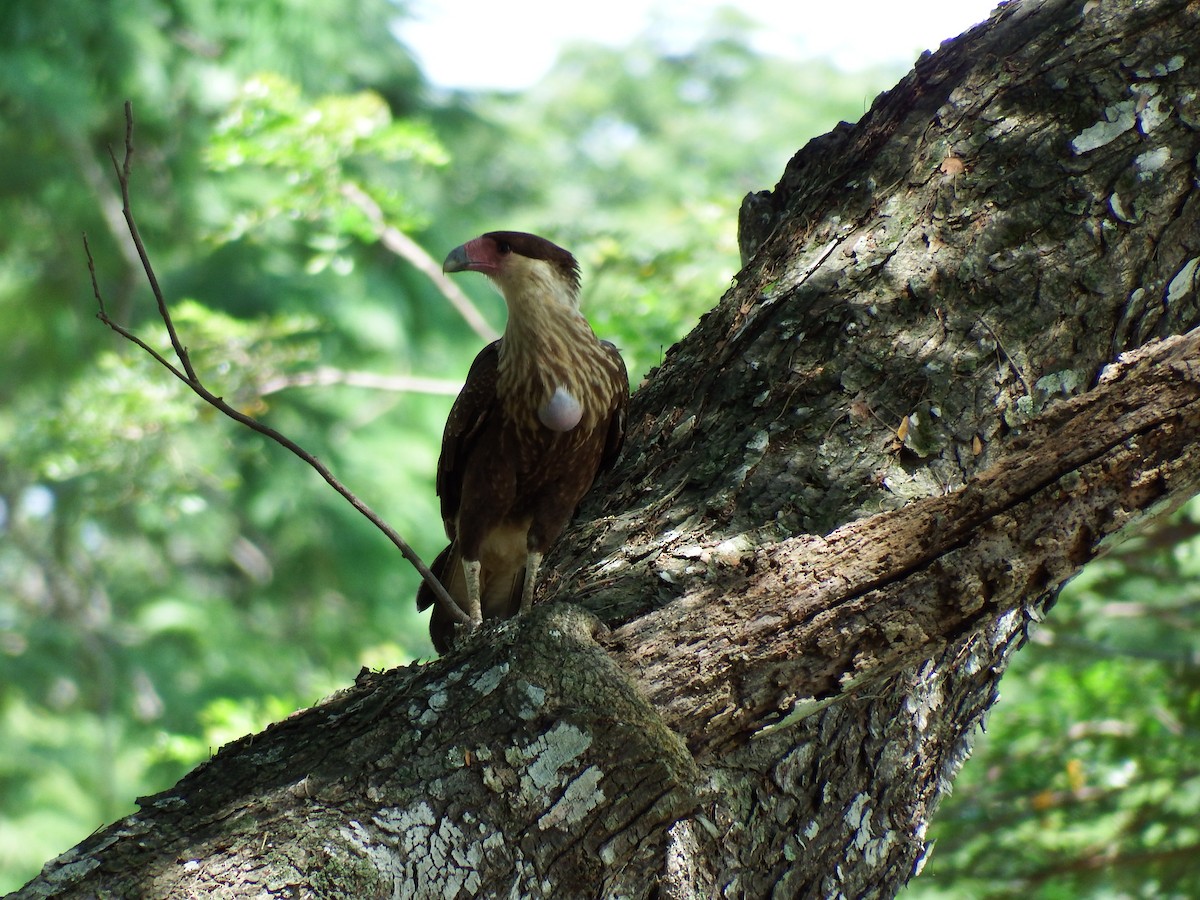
x: 561, y: 412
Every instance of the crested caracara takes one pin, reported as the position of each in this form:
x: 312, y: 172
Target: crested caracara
x: 541, y: 414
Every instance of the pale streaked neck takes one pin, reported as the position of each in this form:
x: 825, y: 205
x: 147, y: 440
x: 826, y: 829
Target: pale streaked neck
x: 539, y: 325
x: 548, y: 345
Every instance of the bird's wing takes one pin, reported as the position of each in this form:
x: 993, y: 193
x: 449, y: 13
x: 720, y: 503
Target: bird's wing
x: 615, y: 438
x: 475, y: 403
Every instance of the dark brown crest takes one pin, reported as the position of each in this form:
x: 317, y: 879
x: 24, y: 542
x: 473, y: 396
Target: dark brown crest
x: 534, y: 247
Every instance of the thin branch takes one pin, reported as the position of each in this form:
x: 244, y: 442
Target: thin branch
x: 323, y: 376
x: 1112, y: 860
x: 123, y: 179
x: 189, y: 377
x: 407, y: 249
x: 93, y: 174
x: 102, y: 315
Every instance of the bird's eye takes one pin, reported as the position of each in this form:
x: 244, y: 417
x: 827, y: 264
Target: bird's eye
x: 504, y: 247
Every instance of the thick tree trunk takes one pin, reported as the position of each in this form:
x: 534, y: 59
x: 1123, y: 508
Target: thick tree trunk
x: 846, y: 497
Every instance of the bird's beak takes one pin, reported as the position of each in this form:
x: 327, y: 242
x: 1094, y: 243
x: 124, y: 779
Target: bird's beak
x: 458, y: 260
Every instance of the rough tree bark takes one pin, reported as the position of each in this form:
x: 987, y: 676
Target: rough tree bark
x: 957, y: 365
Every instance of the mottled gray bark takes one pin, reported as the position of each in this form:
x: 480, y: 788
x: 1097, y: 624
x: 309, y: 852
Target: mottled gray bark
x: 846, y: 497
x: 853, y: 488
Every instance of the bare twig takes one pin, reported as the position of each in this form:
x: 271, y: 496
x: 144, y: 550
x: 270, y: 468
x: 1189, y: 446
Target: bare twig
x: 123, y: 178
x: 102, y: 315
x: 93, y: 174
x: 323, y: 376
x: 407, y: 249
x: 189, y: 377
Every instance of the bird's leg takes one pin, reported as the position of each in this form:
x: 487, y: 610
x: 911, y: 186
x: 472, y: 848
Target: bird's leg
x: 533, y: 561
x: 471, y: 569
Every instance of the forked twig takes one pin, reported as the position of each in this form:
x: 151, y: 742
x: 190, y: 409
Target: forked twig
x: 189, y: 377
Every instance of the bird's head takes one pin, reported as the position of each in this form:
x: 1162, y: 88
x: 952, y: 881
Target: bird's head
x: 522, y: 266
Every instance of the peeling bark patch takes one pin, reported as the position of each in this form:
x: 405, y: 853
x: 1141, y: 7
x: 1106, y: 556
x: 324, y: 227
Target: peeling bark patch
x: 1184, y: 281
x: 583, y: 794
x: 1118, y: 119
x: 1161, y: 70
x: 863, y: 840
x: 546, y: 757
x: 436, y: 859
x: 488, y: 681
x: 1151, y: 161
x: 533, y: 697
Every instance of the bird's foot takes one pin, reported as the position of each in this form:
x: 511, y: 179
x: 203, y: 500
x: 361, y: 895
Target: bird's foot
x: 474, y: 610
x: 533, y: 562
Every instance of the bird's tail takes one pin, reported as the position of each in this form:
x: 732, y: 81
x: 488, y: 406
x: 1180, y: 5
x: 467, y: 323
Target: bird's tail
x: 441, y: 625
x: 447, y: 557
x: 500, y: 593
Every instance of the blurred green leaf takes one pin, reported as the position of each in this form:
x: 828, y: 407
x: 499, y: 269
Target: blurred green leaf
x: 296, y: 157
x: 170, y: 581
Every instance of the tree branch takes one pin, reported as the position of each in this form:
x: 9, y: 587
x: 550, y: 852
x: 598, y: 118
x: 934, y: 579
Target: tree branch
x: 814, y: 608
x: 189, y: 377
x: 324, y: 376
x: 409, y: 250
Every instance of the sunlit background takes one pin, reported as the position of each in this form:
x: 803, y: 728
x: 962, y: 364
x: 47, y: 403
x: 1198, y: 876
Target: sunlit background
x: 169, y: 582
x: 481, y: 45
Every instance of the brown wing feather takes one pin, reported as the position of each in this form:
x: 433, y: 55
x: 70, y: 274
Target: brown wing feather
x: 474, y: 404
x: 468, y: 416
x: 615, y: 438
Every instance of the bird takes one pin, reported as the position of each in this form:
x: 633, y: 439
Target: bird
x: 541, y: 414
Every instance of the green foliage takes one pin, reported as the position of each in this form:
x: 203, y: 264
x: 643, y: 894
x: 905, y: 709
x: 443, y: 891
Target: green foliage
x: 297, y: 160
x: 170, y: 581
